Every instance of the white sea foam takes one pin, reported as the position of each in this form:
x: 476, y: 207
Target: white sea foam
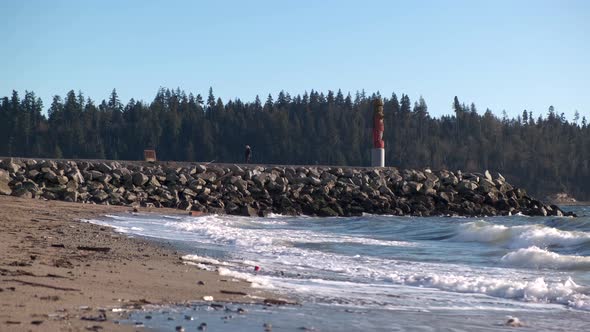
x: 201, y: 259
x: 538, y: 290
x: 225, y: 230
x: 520, y: 236
x: 255, y: 280
x: 536, y: 257
x: 278, y: 249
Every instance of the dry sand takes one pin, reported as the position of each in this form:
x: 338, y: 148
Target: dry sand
x: 48, y: 282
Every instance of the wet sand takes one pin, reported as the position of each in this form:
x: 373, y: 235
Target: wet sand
x: 60, y: 274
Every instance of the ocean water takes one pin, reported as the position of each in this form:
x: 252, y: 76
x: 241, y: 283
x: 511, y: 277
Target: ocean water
x: 385, y: 273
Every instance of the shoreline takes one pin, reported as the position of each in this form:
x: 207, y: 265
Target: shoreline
x: 58, y: 273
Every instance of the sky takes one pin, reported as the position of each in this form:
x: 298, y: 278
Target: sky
x: 504, y: 55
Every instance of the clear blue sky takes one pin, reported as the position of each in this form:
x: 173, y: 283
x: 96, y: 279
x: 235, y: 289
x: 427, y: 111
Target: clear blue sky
x: 505, y: 55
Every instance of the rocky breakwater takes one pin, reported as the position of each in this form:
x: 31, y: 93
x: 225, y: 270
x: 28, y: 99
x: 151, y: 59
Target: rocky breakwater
x: 256, y: 190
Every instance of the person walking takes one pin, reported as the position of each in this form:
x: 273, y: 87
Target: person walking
x: 248, y: 154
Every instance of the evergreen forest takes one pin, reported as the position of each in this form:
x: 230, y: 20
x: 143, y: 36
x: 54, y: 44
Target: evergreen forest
x: 544, y: 153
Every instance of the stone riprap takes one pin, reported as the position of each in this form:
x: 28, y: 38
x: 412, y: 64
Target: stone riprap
x: 253, y: 190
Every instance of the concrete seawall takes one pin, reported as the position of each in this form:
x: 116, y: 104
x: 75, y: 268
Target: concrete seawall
x: 258, y: 190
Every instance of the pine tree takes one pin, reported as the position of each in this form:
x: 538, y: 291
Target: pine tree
x: 268, y: 106
x: 210, y: 99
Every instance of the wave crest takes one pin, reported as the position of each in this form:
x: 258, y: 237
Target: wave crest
x: 536, y: 257
x: 520, y: 236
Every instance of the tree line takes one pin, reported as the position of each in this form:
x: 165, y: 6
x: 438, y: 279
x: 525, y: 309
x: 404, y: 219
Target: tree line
x: 544, y: 153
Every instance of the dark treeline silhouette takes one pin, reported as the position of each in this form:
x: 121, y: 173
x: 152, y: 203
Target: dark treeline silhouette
x: 543, y: 153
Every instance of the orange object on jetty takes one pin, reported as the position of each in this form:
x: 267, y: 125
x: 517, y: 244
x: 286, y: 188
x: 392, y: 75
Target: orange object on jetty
x: 149, y: 155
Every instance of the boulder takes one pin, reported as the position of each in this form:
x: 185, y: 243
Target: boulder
x: 100, y: 196
x: 130, y: 197
x: 10, y: 165
x: 76, y: 176
x: 154, y: 182
x: 32, y: 174
x: 327, y: 212
x: 207, y: 176
x: 236, y: 170
x: 139, y: 179
x: 105, y: 178
x: 445, y: 197
x: 466, y: 186
x: 62, y: 179
x: 49, y: 175
x: 172, y: 177
x: 314, y: 181
x: 5, y: 176
x: 185, y: 205
x: 411, y: 187
x: 103, y: 167
x: 22, y: 192
x: 95, y: 175
x: 248, y: 211
x: 72, y: 186
x: 71, y: 196
x: 200, y: 169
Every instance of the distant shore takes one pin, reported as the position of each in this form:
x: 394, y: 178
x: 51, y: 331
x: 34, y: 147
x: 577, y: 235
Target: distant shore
x: 62, y: 274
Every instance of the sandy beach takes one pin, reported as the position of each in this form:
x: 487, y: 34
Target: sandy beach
x: 60, y: 274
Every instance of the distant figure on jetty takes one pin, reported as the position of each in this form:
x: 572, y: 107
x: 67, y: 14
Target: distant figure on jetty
x: 248, y: 154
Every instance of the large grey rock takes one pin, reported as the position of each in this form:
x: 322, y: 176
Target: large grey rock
x: 30, y: 186
x: 4, y: 176
x: 49, y: 175
x: 445, y: 197
x: 248, y: 211
x: 236, y: 170
x: 261, y: 179
x: 449, y: 179
x: 100, y: 195
x: 105, y: 178
x: 327, y: 212
x: 103, y: 167
x: 76, y: 176
x: 72, y: 186
x: 466, y: 186
x: 95, y: 175
x: 154, y: 182
x: 10, y: 165
x: 182, y: 179
x: 32, y: 174
x: 22, y: 192
x: 172, y: 177
x: 185, y: 205
x: 94, y: 185
x: 385, y: 191
x: 139, y: 179
x: 4, y: 187
x: 411, y: 187
x: 207, y: 176
x: 314, y: 181
x: 131, y: 197
x: 71, y: 196
x: 62, y: 179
